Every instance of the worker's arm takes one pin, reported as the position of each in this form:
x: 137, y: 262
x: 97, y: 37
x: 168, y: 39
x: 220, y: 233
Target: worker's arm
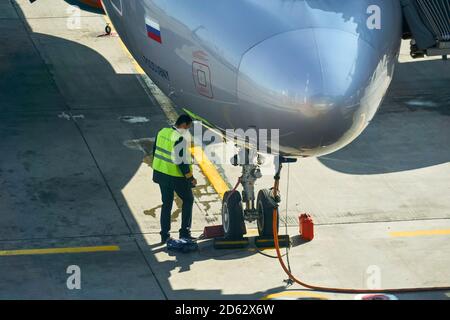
x: 154, y: 148
x: 184, y: 166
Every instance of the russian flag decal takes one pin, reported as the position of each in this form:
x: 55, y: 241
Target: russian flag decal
x: 153, y: 30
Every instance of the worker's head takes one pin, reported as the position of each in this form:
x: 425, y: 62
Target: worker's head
x: 184, y: 122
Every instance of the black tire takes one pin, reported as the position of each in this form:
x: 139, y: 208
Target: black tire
x: 233, y: 216
x: 108, y: 30
x: 265, y: 206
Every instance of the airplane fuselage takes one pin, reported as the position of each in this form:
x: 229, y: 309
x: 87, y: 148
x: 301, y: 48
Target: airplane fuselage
x: 317, y: 70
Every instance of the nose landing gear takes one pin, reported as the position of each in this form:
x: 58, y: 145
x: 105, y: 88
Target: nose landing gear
x: 234, y: 214
x: 108, y: 29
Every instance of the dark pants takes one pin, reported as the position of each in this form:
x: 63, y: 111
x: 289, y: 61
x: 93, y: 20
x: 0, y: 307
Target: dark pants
x: 184, y: 191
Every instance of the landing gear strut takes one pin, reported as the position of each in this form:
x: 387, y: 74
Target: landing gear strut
x: 237, y: 209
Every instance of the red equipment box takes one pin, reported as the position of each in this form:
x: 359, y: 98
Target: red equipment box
x: 212, y: 232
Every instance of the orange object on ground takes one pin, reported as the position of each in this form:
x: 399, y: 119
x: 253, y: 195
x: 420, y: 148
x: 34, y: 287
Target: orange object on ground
x: 306, y: 227
x: 93, y: 3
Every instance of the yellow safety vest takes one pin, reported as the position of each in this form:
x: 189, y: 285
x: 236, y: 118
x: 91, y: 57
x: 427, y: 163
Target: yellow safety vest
x: 165, y: 159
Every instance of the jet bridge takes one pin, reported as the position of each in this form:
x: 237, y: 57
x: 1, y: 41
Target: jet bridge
x: 428, y: 24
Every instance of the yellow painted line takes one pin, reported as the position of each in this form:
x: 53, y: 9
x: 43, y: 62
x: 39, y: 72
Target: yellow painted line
x: 420, y: 233
x: 58, y: 250
x: 206, y: 166
x: 295, y: 294
x: 210, y: 171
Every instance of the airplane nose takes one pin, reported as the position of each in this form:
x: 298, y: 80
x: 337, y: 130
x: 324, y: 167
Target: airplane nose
x: 316, y: 85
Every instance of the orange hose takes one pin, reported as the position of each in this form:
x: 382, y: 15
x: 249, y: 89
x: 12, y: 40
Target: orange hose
x: 337, y: 290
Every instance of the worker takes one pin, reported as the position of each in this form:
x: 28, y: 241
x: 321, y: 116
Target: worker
x: 172, y: 170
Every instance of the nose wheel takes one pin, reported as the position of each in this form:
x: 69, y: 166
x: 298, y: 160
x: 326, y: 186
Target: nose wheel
x: 108, y: 30
x: 265, y: 206
x: 233, y: 216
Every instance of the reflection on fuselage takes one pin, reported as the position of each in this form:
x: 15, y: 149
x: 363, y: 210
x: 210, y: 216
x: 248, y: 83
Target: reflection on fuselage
x: 314, y: 69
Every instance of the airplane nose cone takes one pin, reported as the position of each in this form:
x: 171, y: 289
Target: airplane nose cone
x: 315, y: 85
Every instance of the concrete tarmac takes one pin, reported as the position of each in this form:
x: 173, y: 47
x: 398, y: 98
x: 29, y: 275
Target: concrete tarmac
x: 76, y: 124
